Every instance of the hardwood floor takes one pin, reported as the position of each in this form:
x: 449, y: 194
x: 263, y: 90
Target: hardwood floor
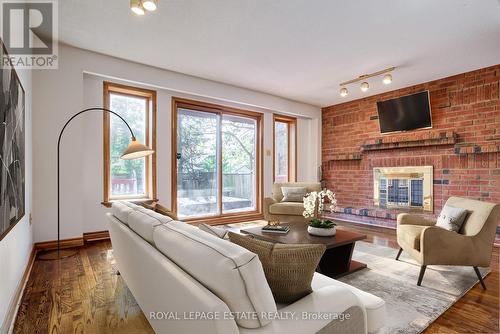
x: 84, y: 294
x: 79, y: 294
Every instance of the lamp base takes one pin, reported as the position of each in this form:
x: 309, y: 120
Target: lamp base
x: 57, y: 254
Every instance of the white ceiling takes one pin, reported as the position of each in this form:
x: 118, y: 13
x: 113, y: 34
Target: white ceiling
x: 297, y: 49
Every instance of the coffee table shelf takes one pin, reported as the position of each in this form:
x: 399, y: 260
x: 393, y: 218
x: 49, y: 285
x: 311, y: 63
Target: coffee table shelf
x: 337, y: 260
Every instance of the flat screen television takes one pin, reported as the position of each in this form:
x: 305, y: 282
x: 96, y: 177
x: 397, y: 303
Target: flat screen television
x: 405, y: 113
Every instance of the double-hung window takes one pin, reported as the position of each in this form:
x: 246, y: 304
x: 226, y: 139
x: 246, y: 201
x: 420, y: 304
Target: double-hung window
x: 128, y: 179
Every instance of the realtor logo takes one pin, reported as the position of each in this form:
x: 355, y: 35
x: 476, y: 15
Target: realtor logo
x: 29, y: 32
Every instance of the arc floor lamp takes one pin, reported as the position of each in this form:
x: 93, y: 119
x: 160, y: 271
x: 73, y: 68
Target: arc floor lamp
x: 134, y: 150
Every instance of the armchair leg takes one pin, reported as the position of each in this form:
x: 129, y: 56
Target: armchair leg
x: 399, y: 253
x: 480, y: 278
x: 421, y: 275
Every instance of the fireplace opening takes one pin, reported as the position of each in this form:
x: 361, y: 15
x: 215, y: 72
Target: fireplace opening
x: 403, y: 187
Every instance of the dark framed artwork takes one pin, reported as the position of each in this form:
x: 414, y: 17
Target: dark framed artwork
x: 12, y: 147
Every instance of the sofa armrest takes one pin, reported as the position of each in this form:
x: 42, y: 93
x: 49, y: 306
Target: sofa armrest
x: 440, y: 246
x: 268, y: 201
x: 412, y: 219
x: 330, y: 301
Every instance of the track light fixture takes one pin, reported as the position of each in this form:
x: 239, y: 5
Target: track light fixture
x: 150, y: 5
x: 364, y: 86
x: 136, y: 7
x: 387, y: 79
x: 139, y: 6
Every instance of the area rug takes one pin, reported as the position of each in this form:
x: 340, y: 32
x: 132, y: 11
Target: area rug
x: 410, y: 308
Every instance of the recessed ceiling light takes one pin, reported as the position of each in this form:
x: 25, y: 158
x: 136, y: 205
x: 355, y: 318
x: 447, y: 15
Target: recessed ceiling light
x: 387, y: 79
x: 343, y: 92
x: 136, y: 7
x: 364, y: 86
x: 150, y: 5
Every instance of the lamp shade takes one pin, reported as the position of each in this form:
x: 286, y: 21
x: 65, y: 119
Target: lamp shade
x: 136, y: 150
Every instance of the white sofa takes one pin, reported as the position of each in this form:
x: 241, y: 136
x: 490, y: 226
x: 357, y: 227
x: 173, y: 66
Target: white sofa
x: 189, y: 281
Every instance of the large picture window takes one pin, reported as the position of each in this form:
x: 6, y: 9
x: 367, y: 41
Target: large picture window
x: 128, y: 179
x: 285, y: 151
x: 217, y: 165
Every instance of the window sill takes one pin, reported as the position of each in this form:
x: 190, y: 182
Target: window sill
x: 220, y: 220
x: 109, y: 203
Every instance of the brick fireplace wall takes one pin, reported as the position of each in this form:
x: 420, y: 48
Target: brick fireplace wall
x: 463, y: 146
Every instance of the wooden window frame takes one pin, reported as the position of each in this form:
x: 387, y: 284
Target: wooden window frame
x: 222, y: 218
x: 292, y: 122
x: 150, y: 138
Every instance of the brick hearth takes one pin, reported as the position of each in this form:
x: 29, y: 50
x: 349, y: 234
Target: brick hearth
x: 463, y: 146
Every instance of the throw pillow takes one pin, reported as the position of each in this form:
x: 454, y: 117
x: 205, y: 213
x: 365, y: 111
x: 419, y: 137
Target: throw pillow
x: 157, y: 207
x: 165, y: 211
x: 451, y: 218
x: 289, y: 268
x: 293, y: 194
x: 214, y: 230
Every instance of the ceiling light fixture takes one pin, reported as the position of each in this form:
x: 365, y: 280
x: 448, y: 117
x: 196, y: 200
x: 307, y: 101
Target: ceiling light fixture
x: 387, y: 79
x: 364, y: 86
x: 150, y: 5
x: 136, y: 7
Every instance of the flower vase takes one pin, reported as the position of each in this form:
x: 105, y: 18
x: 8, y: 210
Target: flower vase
x: 322, y: 232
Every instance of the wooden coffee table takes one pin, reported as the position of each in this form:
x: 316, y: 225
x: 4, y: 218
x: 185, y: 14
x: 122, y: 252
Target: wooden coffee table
x: 335, y: 263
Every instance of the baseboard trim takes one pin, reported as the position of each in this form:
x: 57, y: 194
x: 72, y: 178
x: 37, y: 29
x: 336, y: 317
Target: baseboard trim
x: 10, y: 318
x: 95, y: 236
x: 72, y: 242
x: 65, y: 243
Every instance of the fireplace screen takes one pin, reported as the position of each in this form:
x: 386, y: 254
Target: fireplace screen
x: 403, y: 187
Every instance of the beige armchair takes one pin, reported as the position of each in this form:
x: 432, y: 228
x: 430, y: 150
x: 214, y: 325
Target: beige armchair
x: 275, y: 209
x: 432, y: 245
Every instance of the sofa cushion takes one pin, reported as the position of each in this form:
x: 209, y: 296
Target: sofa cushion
x: 374, y: 306
x: 287, y: 208
x: 130, y: 205
x: 410, y: 235
x: 143, y: 222
x: 451, y: 218
x: 288, y: 268
x: 293, y: 194
x: 231, y: 272
x: 121, y: 212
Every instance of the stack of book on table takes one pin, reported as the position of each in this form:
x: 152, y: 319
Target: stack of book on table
x: 279, y: 229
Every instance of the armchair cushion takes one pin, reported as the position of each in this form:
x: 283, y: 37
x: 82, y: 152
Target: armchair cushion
x: 287, y: 208
x: 278, y: 194
x: 451, y: 218
x: 412, y: 219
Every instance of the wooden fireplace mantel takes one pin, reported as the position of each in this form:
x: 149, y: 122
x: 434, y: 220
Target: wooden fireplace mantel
x: 431, y: 138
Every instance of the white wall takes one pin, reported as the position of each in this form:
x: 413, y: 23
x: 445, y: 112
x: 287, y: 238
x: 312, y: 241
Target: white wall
x: 15, y: 248
x: 78, y: 84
